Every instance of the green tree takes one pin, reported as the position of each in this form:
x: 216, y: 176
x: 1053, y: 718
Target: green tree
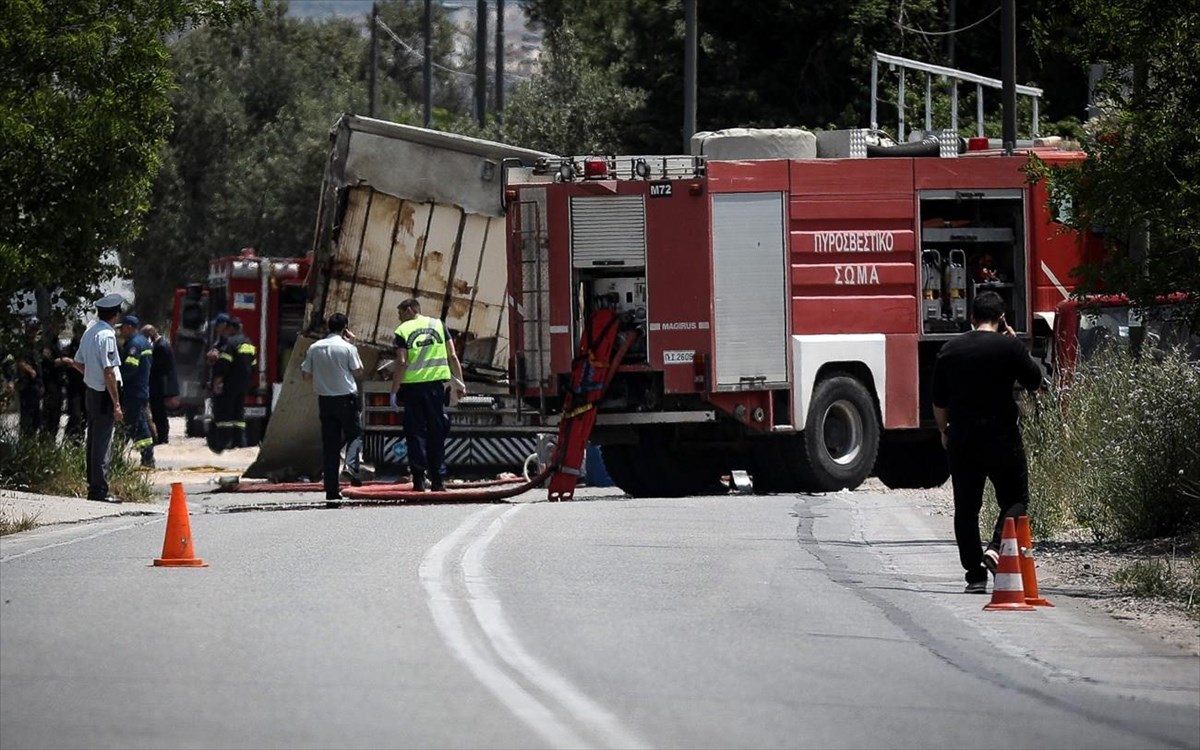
x: 1141, y: 186
x: 571, y: 106
x: 253, y: 105
x: 773, y: 63
x: 402, y: 56
x: 84, y: 110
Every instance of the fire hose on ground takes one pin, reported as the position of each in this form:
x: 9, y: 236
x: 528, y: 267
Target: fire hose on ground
x: 487, y: 491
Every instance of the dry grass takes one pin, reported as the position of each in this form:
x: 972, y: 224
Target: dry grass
x: 10, y: 524
x: 42, y: 465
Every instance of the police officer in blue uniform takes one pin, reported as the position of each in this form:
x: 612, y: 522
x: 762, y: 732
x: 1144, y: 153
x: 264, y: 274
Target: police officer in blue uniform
x: 98, y: 360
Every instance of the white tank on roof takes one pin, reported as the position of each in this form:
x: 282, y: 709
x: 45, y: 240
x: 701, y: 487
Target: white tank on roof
x: 755, y: 143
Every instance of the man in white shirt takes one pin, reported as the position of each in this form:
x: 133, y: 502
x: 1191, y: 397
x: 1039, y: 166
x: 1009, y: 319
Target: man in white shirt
x: 333, y: 366
x: 99, y: 362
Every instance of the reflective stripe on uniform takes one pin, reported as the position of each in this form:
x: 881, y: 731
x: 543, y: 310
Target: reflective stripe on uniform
x: 143, y: 443
x: 226, y: 357
x: 148, y: 353
x: 132, y: 361
x: 246, y: 348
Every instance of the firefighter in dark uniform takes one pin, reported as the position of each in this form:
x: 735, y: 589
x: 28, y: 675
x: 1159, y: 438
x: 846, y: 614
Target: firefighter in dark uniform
x: 29, y: 380
x: 56, y: 366
x: 76, y: 390
x: 136, y: 358
x: 232, y: 373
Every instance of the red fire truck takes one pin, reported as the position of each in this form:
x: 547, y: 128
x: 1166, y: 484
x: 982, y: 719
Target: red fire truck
x: 787, y: 311
x: 268, y: 295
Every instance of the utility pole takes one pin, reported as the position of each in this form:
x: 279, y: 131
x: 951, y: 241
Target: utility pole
x: 689, y: 74
x: 499, y: 105
x: 371, y: 104
x: 952, y: 25
x: 428, y: 92
x: 1008, y: 73
x: 481, y: 62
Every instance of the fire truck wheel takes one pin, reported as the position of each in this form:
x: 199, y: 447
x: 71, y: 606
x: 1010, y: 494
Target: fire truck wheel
x: 840, y: 438
x: 771, y: 470
x: 619, y: 462
x: 912, y: 464
x: 653, y: 468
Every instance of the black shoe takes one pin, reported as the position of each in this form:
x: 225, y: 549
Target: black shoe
x: 976, y: 587
x: 418, y: 481
x: 334, y: 496
x: 437, y: 486
x: 109, y: 499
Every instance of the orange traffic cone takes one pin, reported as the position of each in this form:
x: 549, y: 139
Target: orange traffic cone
x: 177, y: 545
x: 1028, y: 569
x: 1007, y: 591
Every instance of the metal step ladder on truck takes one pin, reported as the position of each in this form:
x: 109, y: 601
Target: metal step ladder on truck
x: 784, y: 314
x: 268, y: 296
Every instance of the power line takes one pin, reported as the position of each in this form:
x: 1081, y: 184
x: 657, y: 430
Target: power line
x: 945, y: 33
x: 420, y: 57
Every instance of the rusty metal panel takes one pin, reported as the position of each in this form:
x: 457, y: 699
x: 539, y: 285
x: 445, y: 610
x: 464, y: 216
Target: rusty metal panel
x: 408, y: 244
x: 372, y: 268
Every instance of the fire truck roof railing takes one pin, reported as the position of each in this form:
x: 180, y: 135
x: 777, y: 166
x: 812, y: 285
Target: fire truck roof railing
x: 951, y: 74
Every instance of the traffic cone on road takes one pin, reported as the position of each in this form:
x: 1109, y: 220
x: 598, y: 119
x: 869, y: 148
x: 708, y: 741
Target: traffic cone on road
x: 1007, y: 590
x: 1028, y: 569
x: 177, y: 544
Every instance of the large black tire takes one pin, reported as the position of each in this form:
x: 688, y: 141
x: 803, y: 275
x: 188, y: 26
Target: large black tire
x: 841, y: 437
x: 770, y: 467
x: 621, y: 464
x: 913, y: 463
x: 656, y: 468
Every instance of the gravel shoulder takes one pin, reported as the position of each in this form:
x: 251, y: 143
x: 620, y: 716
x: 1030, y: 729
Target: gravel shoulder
x: 1072, y: 565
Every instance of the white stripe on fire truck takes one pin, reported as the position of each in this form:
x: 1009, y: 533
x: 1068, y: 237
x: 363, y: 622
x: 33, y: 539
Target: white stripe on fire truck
x: 1054, y: 280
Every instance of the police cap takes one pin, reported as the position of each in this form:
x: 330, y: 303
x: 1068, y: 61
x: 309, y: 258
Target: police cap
x: 221, y: 318
x: 109, y: 302
x: 131, y: 320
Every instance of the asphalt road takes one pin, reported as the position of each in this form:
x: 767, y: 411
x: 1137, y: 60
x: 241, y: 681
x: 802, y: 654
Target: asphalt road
x: 739, y: 621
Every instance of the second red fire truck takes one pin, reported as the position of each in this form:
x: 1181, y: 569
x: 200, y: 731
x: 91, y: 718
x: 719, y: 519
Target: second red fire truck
x: 268, y: 296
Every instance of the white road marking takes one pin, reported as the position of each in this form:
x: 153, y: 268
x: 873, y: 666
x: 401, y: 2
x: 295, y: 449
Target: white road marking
x: 490, y: 616
x: 492, y: 662
x: 74, y: 540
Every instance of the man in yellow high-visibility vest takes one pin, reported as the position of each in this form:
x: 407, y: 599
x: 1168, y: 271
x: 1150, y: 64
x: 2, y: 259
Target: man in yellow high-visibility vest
x: 425, y: 362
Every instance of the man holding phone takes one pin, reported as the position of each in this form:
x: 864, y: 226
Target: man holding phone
x: 973, y: 382
x: 333, y: 366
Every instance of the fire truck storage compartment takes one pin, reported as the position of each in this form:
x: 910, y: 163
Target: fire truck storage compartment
x: 608, y: 257
x: 971, y: 241
x: 750, y: 290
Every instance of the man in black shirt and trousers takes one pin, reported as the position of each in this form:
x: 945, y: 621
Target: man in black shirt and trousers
x: 973, y: 382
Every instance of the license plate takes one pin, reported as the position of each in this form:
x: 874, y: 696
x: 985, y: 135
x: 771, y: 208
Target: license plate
x: 256, y: 412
